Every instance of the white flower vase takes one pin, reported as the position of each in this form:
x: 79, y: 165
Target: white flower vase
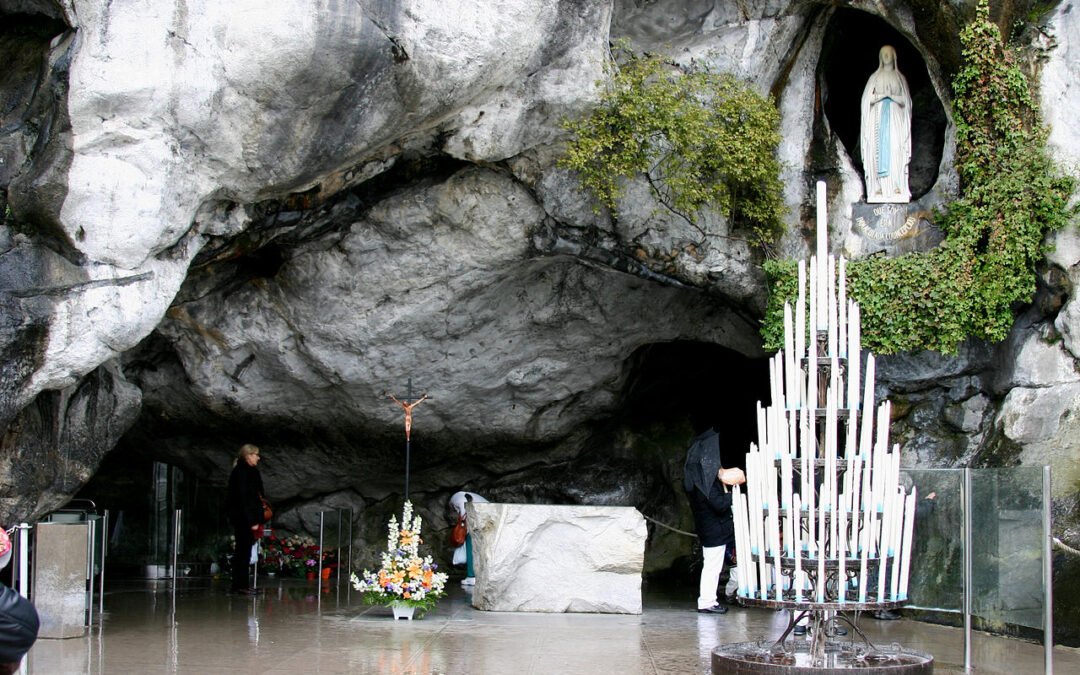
x: 402, y: 611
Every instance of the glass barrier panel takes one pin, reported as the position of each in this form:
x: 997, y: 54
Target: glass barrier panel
x: 937, y: 556
x: 335, y: 522
x: 1007, y: 549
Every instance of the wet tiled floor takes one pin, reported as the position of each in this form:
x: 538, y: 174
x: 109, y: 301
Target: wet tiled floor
x: 300, y: 627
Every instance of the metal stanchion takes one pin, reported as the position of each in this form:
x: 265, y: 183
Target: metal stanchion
x: 104, y: 550
x: 1048, y: 577
x: 337, y: 552
x: 177, y: 518
x: 322, y: 525
x: 91, y: 530
x: 966, y: 505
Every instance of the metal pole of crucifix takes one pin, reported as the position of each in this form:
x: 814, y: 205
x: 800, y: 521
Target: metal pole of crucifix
x: 404, y: 403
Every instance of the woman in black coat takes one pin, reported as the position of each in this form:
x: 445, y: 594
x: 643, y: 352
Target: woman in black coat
x: 245, y: 510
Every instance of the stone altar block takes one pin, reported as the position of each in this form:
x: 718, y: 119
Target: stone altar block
x: 548, y: 558
x: 59, y: 592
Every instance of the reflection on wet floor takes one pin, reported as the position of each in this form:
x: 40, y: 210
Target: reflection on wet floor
x: 299, y: 626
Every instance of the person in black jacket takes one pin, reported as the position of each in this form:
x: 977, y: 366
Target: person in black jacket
x: 18, y: 619
x: 245, y: 511
x: 707, y: 483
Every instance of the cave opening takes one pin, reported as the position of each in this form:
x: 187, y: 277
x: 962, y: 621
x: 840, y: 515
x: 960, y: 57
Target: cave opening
x: 674, y: 391
x: 700, y: 384
x: 849, y: 55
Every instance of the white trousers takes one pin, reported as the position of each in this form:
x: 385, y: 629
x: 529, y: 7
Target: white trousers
x: 710, y: 575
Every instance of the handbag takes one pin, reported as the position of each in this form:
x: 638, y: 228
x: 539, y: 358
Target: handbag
x: 268, y: 512
x: 457, y: 535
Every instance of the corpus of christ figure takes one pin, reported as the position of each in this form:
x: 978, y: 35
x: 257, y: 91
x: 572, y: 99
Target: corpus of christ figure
x: 408, y: 412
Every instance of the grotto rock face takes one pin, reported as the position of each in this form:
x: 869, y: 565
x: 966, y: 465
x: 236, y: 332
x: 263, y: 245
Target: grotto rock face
x: 55, y: 444
x: 250, y: 222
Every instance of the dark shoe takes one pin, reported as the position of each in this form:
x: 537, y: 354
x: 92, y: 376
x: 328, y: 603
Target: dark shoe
x: 836, y: 631
x: 799, y: 630
x: 885, y: 615
x: 715, y: 609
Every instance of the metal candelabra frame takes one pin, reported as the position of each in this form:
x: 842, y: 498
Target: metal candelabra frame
x: 823, y: 526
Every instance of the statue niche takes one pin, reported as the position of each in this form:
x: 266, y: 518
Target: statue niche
x: 885, y: 132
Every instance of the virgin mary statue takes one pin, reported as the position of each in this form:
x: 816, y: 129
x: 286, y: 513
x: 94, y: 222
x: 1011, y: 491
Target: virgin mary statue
x: 885, y: 137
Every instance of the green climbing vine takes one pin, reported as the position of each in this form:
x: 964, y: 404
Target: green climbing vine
x: 701, y: 139
x: 1011, y: 196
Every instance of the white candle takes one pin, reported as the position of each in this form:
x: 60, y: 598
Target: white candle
x: 747, y: 576
x: 905, y: 549
x: 762, y: 427
x: 797, y: 547
x: 841, y: 579
x: 854, y: 357
x: 897, y: 540
x: 775, y: 533
x: 868, y: 524
x: 808, y: 500
x: 800, y: 333
x: 770, y: 485
x: 785, y: 500
x: 751, y: 568
x: 830, y: 289
x: 759, y: 526
x: 831, y: 443
x: 868, y: 406
x: 842, y: 305
x: 883, y: 550
x: 805, y: 462
x: 821, y: 555
x: 752, y: 479
x: 812, y: 381
x: 884, y: 413
x: 791, y: 399
x: 822, y: 248
x: 856, y: 506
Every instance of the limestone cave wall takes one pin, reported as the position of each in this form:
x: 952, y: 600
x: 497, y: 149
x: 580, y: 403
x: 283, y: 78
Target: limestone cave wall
x: 241, y: 222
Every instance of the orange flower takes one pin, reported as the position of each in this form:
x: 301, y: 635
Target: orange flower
x: 405, y: 594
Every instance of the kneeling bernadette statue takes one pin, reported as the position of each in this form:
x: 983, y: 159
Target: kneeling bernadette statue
x: 885, y: 132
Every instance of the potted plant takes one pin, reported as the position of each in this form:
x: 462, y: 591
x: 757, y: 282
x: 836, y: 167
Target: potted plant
x: 405, y: 581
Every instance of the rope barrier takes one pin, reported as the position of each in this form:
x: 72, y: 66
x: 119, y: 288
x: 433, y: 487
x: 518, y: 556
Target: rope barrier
x: 1058, y: 544
x: 673, y: 529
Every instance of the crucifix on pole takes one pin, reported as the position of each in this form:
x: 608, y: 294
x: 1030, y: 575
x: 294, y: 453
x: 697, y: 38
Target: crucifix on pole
x: 404, y: 402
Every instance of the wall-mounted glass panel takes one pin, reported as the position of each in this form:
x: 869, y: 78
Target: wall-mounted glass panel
x: 1007, y: 546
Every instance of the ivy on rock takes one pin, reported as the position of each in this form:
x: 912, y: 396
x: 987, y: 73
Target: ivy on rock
x: 701, y: 139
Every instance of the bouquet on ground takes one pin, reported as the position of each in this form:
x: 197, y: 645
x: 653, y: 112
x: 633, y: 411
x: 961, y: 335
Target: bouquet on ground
x: 405, y: 578
x: 293, y: 556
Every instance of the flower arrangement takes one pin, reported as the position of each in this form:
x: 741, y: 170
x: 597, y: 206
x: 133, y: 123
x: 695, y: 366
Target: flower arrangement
x: 294, y: 556
x: 405, y: 578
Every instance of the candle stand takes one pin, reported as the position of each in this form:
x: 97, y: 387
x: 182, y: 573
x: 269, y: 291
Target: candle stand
x: 823, y: 527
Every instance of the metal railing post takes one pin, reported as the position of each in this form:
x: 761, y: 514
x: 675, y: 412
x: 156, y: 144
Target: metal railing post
x: 91, y: 530
x: 1048, y: 577
x: 104, y: 549
x: 322, y: 518
x: 177, y: 517
x: 967, y: 502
